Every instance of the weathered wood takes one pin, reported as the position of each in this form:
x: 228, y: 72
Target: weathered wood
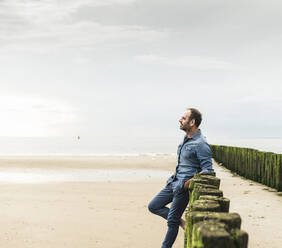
x: 208, y: 223
x: 223, y: 202
x: 263, y: 167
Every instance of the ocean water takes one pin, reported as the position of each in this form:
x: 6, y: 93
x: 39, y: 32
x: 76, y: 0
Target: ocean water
x: 86, y: 146
x: 92, y: 146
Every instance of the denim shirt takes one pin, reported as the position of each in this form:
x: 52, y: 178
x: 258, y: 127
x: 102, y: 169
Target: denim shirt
x: 194, y: 156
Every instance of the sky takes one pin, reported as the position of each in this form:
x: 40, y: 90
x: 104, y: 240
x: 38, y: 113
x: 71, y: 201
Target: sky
x: 130, y: 68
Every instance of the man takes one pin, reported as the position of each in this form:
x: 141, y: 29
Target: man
x: 194, y: 156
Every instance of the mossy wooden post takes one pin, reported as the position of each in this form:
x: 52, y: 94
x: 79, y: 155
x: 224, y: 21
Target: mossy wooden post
x: 212, y: 233
x: 236, y: 158
x: 256, y: 171
x: 247, y: 163
x: 279, y: 187
x: 203, y: 185
x: 257, y: 166
x: 222, y: 201
x: 245, y: 157
x: 195, y: 194
x: 253, y: 165
x: 276, y: 171
x: 212, y: 180
x: 241, y: 168
x: 270, y: 163
x: 205, y: 205
x: 273, y: 175
x: 232, y: 223
x: 262, y: 167
x: 240, y: 238
x: 266, y: 165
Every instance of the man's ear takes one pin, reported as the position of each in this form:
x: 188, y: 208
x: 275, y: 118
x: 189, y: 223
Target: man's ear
x: 192, y: 122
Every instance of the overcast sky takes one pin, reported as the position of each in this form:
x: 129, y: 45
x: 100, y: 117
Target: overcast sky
x: 130, y: 68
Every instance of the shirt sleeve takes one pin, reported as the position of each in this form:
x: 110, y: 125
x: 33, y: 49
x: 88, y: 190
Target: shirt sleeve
x: 204, y: 155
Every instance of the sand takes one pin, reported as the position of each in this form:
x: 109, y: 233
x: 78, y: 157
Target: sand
x: 115, y: 214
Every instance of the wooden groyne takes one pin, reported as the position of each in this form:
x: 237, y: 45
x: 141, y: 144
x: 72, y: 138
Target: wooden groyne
x: 208, y: 221
x: 262, y: 167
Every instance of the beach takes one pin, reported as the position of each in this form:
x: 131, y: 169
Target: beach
x: 114, y: 213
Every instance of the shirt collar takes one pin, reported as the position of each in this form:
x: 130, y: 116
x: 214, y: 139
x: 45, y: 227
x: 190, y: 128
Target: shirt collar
x: 195, y: 136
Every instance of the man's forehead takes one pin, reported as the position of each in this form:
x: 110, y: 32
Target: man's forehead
x: 187, y: 113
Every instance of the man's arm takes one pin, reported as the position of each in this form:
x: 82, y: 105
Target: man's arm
x: 204, y: 156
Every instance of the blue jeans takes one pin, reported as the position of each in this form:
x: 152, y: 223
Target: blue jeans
x: 179, y: 198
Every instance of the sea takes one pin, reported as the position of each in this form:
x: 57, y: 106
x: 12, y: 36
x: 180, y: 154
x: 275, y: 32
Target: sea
x: 118, y: 146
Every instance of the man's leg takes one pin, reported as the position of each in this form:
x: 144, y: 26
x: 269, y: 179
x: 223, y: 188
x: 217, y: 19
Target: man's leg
x: 159, y: 202
x: 179, y: 203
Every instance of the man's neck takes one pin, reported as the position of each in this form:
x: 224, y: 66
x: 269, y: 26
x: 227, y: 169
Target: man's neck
x: 189, y: 134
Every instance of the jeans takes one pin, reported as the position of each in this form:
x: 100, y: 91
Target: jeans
x: 179, y: 198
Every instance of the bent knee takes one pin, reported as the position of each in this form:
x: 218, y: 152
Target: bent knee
x: 173, y: 222
x: 152, y: 208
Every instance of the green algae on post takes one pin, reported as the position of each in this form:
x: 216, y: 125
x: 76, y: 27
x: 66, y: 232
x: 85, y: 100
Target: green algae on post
x: 262, y: 167
x: 208, y: 223
x: 223, y: 202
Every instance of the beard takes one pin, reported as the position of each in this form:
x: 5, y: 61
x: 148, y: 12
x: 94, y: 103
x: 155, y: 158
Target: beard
x: 185, y: 128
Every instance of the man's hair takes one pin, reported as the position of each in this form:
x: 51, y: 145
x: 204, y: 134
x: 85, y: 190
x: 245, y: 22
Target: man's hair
x: 196, y: 115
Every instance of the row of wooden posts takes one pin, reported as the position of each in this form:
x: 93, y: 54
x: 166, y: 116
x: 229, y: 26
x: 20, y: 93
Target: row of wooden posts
x: 262, y: 167
x: 208, y: 221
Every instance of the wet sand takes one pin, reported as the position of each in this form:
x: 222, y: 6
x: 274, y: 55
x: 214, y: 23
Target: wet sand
x: 114, y: 214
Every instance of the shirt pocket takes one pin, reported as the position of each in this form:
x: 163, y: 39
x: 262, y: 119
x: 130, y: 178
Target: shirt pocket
x: 189, y: 151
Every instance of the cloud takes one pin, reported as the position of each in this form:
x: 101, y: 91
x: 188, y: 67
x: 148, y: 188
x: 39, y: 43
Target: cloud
x: 184, y: 14
x: 81, y: 36
x: 199, y: 28
x: 49, y: 10
x: 193, y: 62
x: 23, y: 36
x: 40, y: 25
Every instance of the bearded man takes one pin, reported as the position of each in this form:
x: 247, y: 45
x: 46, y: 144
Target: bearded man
x: 194, y: 156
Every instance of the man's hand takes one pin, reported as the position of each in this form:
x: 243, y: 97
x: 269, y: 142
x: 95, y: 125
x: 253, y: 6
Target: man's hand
x: 186, y: 184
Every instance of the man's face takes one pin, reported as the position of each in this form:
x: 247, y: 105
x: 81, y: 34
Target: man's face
x: 185, y: 124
